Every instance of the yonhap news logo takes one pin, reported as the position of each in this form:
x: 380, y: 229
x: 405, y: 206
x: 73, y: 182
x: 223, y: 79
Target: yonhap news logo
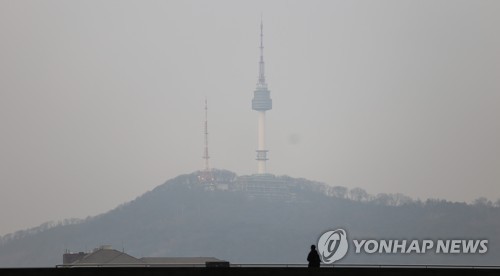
x: 334, y: 244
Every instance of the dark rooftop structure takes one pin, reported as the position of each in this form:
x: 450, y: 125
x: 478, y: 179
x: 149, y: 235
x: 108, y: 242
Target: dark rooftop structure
x: 106, y: 256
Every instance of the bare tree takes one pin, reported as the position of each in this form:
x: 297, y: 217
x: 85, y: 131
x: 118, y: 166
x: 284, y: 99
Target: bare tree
x: 339, y: 191
x: 358, y: 194
x: 401, y: 199
x: 383, y: 199
x: 482, y: 201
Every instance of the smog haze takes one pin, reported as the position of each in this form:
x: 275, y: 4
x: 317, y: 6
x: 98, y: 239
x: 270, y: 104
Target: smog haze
x: 102, y: 101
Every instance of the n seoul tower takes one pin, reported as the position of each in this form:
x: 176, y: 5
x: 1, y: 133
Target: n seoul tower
x: 261, y: 102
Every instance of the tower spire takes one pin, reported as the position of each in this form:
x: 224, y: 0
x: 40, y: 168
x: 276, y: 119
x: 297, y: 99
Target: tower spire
x: 262, y: 78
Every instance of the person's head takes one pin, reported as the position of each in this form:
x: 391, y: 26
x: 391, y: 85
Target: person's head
x: 313, y: 247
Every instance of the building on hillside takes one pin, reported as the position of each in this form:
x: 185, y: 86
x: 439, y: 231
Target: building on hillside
x: 265, y: 186
x: 105, y: 256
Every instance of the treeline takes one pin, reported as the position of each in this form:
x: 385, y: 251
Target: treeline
x: 38, y: 229
x: 388, y: 199
x: 396, y: 199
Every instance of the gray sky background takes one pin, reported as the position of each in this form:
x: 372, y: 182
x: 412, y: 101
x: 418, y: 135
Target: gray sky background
x: 101, y: 101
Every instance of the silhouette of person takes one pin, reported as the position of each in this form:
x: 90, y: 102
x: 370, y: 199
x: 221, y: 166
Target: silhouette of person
x: 313, y: 257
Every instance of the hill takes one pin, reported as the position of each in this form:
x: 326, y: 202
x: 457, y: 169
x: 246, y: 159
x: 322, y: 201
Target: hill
x: 258, y: 220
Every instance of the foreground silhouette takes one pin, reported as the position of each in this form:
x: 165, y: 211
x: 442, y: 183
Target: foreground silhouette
x: 313, y: 257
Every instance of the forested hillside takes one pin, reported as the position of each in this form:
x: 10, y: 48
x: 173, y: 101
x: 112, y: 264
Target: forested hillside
x: 183, y: 218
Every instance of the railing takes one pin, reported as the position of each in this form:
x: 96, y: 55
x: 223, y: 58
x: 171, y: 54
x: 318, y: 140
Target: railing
x: 130, y: 265
x: 373, y: 266
x: 285, y: 265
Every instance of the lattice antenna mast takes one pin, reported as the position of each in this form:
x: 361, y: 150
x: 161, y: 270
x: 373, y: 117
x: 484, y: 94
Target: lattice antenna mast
x: 206, y: 157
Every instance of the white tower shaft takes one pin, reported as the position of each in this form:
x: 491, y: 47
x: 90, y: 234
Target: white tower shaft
x: 261, y: 148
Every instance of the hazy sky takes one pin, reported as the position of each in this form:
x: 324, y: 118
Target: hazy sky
x: 101, y: 101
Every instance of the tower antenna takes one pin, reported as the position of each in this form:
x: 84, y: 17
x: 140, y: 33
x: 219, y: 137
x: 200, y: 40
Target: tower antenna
x: 206, y: 157
x: 262, y: 77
